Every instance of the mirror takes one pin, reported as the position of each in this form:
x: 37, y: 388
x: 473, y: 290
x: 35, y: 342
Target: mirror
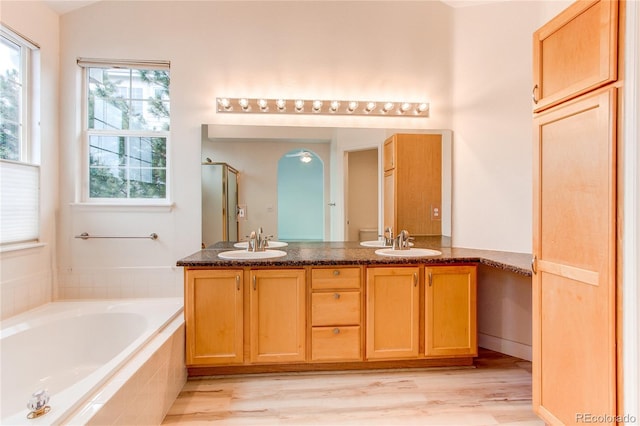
x: 256, y: 150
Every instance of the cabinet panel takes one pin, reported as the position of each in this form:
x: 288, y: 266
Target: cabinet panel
x: 450, y: 311
x: 335, y: 308
x: 335, y: 343
x: 392, y: 326
x: 214, y: 317
x: 413, y: 188
x: 575, y: 52
x: 574, y: 284
x: 278, y: 312
x: 388, y: 154
x: 335, y: 278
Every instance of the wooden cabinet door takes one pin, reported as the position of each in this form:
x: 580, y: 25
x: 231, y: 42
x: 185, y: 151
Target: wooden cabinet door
x: 574, y: 282
x: 278, y: 312
x: 393, y: 318
x: 389, y: 211
x: 418, y: 186
x: 450, y: 311
x: 576, y: 52
x: 214, y: 317
x: 389, y: 153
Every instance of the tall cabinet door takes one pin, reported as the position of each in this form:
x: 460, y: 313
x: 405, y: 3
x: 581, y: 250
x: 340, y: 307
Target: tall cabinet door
x: 574, y: 359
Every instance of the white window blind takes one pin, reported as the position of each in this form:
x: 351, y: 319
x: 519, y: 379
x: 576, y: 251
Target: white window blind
x: 19, y: 207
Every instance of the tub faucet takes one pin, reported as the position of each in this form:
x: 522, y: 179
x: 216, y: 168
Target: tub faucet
x: 38, y: 404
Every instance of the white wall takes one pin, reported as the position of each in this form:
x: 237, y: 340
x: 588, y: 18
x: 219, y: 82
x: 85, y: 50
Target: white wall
x: 27, y: 275
x: 492, y: 122
x: 362, y: 50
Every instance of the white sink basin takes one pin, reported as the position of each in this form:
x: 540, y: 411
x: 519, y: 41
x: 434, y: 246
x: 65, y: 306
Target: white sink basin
x: 251, y: 255
x: 376, y: 243
x: 272, y: 244
x: 412, y: 252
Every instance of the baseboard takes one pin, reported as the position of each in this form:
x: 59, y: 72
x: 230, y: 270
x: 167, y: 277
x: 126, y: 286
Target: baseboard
x: 508, y: 347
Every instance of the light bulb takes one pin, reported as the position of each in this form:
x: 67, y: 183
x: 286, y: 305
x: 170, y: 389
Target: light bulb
x: 224, y: 103
x: 334, y: 106
x: 405, y: 107
x: 299, y: 105
x: 370, y: 107
x: 317, y: 105
x: 244, y: 103
x: 264, y: 106
x: 306, y: 158
x: 352, y: 106
x: 422, y: 108
x: 387, y: 107
x: 281, y: 104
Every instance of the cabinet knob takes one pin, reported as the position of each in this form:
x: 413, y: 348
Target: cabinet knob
x: 238, y: 282
x: 533, y: 94
x: 336, y: 330
x: 336, y: 296
x: 336, y: 272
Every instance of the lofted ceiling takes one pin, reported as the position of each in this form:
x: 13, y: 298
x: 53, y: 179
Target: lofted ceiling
x: 64, y: 6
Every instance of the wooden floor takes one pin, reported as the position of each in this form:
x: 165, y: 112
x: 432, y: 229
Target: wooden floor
x: 495, y: 392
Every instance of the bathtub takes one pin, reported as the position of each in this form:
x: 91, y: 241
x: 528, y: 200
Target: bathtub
x: 98, y: 360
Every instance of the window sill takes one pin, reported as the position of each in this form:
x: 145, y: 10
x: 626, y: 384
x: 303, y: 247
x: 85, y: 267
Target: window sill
x: 150, y: 207
x: 20, y: 247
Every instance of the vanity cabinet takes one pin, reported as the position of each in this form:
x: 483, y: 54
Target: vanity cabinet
x: 413, y: 183
x: 250, y: 319
x: 277, y: 307
x: 214, y: 316
x: 393, y: 317
x: 450, y: 311
x: 336, y: 314
x: 575, y: 53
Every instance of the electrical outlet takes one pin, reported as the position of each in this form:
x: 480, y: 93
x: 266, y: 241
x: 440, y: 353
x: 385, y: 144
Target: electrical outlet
x: 242, y: 212
x: 435, y: 213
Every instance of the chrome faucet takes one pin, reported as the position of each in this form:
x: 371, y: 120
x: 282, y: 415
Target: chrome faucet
x: 258, y: 241
x: 388, y: 236
x: 401, y: 242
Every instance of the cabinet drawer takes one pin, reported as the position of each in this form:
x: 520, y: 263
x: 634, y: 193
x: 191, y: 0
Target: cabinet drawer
x: 335, y: 343
x: 329, y: 278
x: 335, y: 308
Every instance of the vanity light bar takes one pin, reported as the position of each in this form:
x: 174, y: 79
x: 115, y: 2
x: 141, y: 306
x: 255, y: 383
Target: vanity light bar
x: 322, y: 107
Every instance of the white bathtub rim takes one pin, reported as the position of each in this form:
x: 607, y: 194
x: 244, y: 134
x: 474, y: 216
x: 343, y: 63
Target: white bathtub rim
x: 61, y: 309
x: 69, y: 400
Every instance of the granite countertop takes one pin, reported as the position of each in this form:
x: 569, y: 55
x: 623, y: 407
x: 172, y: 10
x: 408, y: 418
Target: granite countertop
x: 352, y: 253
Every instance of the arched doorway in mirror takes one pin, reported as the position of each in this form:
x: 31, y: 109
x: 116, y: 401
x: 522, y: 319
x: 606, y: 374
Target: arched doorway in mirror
x: 300, y: 196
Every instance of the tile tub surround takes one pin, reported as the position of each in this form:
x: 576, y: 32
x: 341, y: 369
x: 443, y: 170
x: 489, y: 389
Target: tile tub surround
x: 143, y: 391
x: 352, y: 253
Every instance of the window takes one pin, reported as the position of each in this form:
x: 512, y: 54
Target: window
x: 19, y: 171
x: 127, y: 132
